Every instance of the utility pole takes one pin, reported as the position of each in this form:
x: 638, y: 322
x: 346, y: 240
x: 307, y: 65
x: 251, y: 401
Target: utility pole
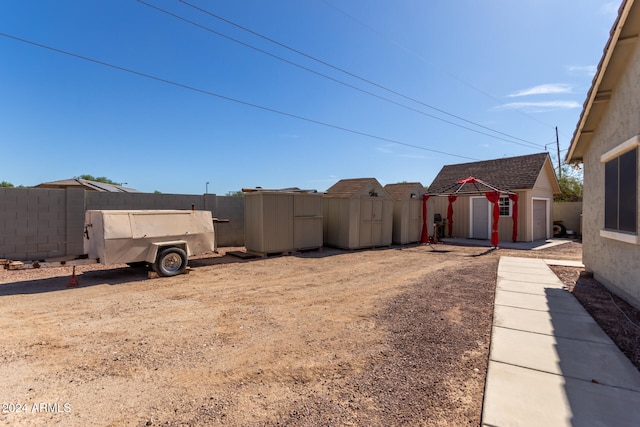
x: 558, y: 145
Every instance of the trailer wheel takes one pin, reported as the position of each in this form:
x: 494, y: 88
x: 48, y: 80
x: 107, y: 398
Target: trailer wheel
x: 170, y: 261
x: 559, y: 230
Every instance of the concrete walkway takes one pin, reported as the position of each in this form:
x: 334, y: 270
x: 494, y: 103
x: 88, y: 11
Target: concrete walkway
x: 531, y: 246
x: 550, y: 364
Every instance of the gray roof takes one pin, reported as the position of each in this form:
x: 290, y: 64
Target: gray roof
x: 402, y: 189
x: 348, y: 187
x: 87, y: 185
x: 511, y: 173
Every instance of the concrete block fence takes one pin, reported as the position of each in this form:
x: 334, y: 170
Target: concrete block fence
x: 570, y: 214
x: 40, y: 223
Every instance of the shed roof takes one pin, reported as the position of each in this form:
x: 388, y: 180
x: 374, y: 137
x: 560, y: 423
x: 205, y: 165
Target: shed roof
x: 401, y: 190
x: 87, y: 185
x: 347, y: 188
x: 622, y: 39
x: 510, y: 173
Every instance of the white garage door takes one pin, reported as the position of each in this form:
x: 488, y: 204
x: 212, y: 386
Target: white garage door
x: 539, y: 219
x: 480, y: 222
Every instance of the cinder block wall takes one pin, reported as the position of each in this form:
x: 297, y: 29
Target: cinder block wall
x: 39, y: 223
x: 33, y: 222
x: 232, y: 208
x: 96, y: 200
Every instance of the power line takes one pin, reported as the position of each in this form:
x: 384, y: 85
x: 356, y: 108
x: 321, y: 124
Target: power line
x: 329, y: 77
x: 299, y: 52
x: 417, y: 55
x: 227, y: 98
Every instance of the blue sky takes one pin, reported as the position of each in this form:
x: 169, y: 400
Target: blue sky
x: 427, y: 83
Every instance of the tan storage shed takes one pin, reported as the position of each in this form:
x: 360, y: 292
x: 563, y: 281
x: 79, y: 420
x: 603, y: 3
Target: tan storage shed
x: 278, y: 221
x: 407, y: 211
x: 357, y: 213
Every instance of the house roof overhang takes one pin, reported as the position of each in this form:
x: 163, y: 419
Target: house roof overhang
x: 622, y: 40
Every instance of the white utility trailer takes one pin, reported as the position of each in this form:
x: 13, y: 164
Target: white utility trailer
x: 162, y: 239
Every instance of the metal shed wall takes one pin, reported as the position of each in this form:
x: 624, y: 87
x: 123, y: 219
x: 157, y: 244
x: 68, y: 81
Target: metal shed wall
x: 407, y: 212
x: 307, y: 221
x: 282, y: 221
x: 359, y: 221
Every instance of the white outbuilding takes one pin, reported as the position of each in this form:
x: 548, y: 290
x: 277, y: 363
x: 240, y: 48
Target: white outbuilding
x: 407, y: 211
x: 278, y: 221
x: 357, y: 213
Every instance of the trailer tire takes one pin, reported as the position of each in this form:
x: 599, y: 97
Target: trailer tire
x: 559, y: 230
x: 170, y: 262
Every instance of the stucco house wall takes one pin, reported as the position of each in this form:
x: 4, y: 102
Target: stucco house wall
x: 614, y: 263
x: 609, y: 126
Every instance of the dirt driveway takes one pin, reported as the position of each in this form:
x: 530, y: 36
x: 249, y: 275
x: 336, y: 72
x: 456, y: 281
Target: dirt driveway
x: 377, y: 337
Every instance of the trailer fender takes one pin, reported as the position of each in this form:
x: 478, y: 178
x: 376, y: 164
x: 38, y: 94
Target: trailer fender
x: 156, y: 247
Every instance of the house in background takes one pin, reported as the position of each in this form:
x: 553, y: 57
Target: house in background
x: 606, y: 141
x: 531, y: 177
x: 87, y: 185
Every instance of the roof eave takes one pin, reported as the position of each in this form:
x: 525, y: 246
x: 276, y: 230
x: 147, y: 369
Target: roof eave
x: 582, y: 136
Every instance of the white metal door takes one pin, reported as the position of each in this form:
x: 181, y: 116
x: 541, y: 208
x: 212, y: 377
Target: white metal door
x: 539, y: 219
x: 480, y: 218
x: 415, y: 219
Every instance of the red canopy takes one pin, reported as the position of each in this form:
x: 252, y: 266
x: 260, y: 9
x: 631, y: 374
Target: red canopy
x: 491, y: 192
x: 470, y: 180
x: 514, y: 216
x: 494, y: 197
x: 452, y: 198
x: 424, y: 238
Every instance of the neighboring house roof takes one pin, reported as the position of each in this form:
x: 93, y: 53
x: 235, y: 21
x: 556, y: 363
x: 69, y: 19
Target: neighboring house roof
x: 401, y: 190
x: 347, y: 188
x: 510, y: 173
x: 87, y: 185
x: 623, y: 36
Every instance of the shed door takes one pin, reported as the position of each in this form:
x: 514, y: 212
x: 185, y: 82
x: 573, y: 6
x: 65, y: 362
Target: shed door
x: 480, y: 220
x: 415, y: 220
x: 539, y: 219
x: 370, y: 221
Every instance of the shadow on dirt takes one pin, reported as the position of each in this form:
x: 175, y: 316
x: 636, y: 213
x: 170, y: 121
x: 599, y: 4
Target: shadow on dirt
x: 108, y: 275
x: 112, y: 276
x: 117, y: 275
x: 487, y: 252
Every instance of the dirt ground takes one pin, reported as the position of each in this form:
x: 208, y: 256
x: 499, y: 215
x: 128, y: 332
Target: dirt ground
x: 393, y: 336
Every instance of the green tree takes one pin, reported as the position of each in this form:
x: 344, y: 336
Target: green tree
x: 570, y: 184
x: 234, y: 193
x: 6, y: 184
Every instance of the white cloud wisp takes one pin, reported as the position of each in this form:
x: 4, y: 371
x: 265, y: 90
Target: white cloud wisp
x: 544, y: 89
x: 539, y: 107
